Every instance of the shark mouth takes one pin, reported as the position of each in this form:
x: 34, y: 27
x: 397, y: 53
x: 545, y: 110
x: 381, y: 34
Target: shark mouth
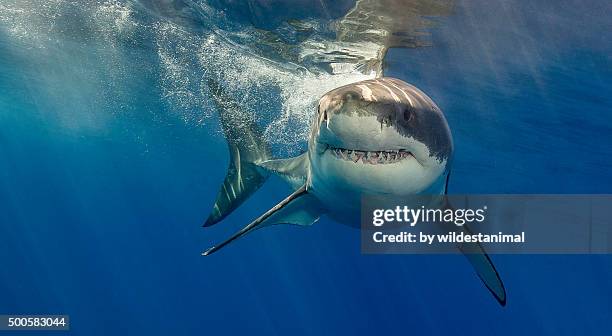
x: 370, y: 157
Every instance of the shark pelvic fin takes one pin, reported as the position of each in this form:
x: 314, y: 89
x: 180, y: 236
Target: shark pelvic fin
x: 299, y: 208
x: 246, y: 147
x: 293, y: 170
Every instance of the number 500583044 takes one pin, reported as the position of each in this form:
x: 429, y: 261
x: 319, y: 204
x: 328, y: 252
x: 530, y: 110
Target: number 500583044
x: 34, y: 322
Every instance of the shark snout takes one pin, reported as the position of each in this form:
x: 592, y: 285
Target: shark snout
x: 359, y: 139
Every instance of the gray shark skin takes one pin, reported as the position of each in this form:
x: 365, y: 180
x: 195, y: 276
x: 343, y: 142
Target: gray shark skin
x: 375, y: 137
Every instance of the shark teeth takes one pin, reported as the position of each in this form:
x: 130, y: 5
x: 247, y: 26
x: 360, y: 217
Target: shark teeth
x: 370, y: 157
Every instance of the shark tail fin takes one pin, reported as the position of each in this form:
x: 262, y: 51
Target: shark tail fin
x: 246, y: 147
x: 299, y: 208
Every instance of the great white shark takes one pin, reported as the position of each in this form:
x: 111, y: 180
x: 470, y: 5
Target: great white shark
x: 375, y: 137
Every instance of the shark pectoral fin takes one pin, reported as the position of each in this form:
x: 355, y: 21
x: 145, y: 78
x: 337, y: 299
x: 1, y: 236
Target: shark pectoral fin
x: 300, y: 208
x: 480, y: 261
x: 485, y: 269
x: 293, y: 170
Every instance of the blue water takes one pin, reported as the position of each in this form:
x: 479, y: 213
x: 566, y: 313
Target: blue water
x: 107, y: 171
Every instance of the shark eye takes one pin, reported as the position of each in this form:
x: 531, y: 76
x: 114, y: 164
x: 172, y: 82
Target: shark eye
x: 324, y: 112
x: 408, y: 114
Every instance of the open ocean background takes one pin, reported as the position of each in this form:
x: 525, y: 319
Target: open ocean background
x: 111, y: 157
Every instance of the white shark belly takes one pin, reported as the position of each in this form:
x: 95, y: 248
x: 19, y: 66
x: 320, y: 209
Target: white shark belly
x: 341, y: 199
